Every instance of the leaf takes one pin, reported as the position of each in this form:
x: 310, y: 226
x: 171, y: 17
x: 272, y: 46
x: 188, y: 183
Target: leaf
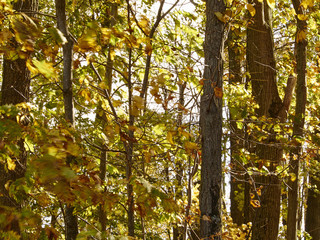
x: 170, y: 136
x: 11, y: 164
x: 148, y: 48
x: 255, y: 203
x: 220, y: 16
x: 271, y: 3
x: 307, y: 3
x: 293, y: 177
x: 302, y: 17
x: 190, y: 146
x: 218, y: 92
x: 138, y: 101
x: 251, y: 9
x: 206, y: 218
x: 57, y: 35
x: 45, y: 68
x: 301, y: 36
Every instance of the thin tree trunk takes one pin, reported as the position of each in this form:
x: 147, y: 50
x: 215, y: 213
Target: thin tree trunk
x: 211, y: 123
x: 177, y: 230
x: 15, y: 89
x: 236, y: 185
x: 301, y: 96
x: 111, y: 15
x: 313, y: 205
x: 71, y: 221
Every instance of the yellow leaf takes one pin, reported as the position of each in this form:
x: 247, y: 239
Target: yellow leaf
x: 7, y: 185
x: 271, y: 3
x: 11, y: 164
x: 220, y: 16
x: 302, y: 17
x: 45, y: 68
x: 144, y: 22
x: 138, y: 101
x: 251, y: 9
x: 170, y: 135
x: 86, y: 94
x: 307, y: 3
x: 190, y: 146
x: 301, y: 35
x: 292, y: 177
x: 255, y: 203
x: 117, y: 103
x: 206, y: 218
x: 148, y: 48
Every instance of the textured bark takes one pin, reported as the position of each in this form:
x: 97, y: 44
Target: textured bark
x: 313, y: 203
x: 301, y: 97
x: 110, y: 16
x: 211, y: 124
x: 178, y: 231
x: 261, y: 66
x: 236, y: 185
x: 15, y: 89
x: 71, y: 220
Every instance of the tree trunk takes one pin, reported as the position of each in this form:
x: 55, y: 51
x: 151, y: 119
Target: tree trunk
x: 71, y: 221
x: 236, y: 185
x: 110, y: 15
x: 313, y: 205
x: 211, y: 123
x: 15, y: 89
x: 301, y: 96
x: 261, y: 66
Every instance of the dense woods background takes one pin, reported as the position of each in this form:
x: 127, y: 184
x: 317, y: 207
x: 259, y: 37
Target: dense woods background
x: 160, y: 119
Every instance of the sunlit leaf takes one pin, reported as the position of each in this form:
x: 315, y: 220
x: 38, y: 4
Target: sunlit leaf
x: 255, y: 203
x: 251, y: 9
x: 45, y: 68
x: 271, y: 3
x: 11, y: 164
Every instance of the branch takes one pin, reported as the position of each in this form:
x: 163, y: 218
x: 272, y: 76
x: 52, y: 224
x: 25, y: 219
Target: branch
x: 106, y: 93
x: 291, y: 83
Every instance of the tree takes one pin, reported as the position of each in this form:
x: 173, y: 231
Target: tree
x: 262, y: 68
x: 211, y: 123
x: 15, y: 89
x: 298, y: 127
x: 71, y: 221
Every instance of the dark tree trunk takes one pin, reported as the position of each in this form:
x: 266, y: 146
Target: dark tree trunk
x: 71, y: 220
x: 211, y: 123
x: 261, y: 66
x: 313, y: 205
x: 15, y: 89
x: 301, y: 96
x: 236, y: 181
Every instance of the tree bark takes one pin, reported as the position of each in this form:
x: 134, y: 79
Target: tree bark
x: 236, y: 185
x: 261, y: 66
x: 71, y: 220
x: 15, y: 89
x: 211, y: 123
x: 313, y: 205
x: 301, y: 97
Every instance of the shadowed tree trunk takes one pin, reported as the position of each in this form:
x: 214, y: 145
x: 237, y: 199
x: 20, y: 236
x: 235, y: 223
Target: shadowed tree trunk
x: 111, y: 15
x: 236, y: 185
x: 313, y: 205
x: 301, y: 97
x: 15, y: 89
x: 261, y: 66
x: 71, y: 221
x: 211, y: 123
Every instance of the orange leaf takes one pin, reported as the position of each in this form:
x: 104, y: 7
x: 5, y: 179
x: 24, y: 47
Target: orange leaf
x: 218, y: 92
